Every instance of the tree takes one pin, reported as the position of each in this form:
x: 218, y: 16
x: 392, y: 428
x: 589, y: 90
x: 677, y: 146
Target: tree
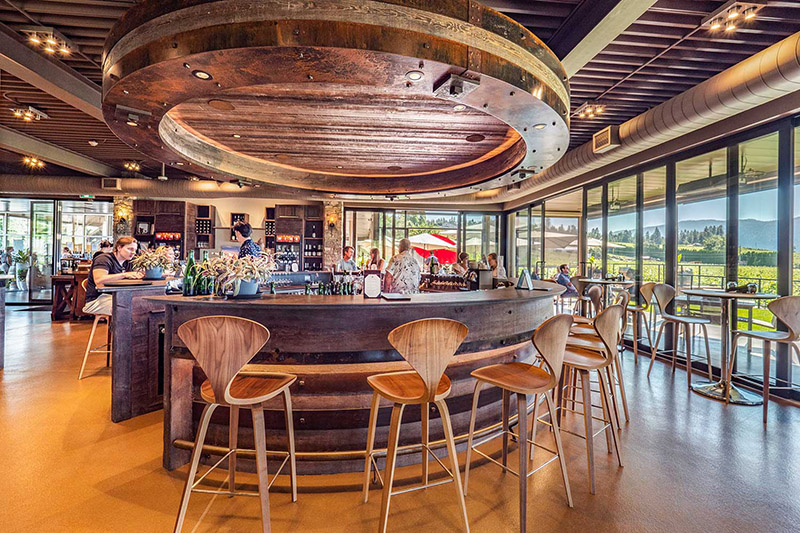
x: 714, y: 243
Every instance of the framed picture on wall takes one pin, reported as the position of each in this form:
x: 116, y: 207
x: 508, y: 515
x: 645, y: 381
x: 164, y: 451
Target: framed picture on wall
x: 142, y: 228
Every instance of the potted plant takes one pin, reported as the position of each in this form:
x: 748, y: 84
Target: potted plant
x: 239, y: 275
x: 23, y: 261
x: 153, y: 262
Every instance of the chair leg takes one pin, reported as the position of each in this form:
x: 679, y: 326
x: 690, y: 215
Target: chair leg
x: 622, y: 394
x: 635, y: 338
x: 391, y: 458
x: 425, y: 419
x: 472, y: 418
x: 522, y: 419
x: 687, y: 341
x: 505, y: 415
x: 451, y: 452
x: 88, y: 346
x: 587, y: 421
x: 233, y: 443
x: 557, y: 435
x: 654, y: 348
x: 287, y: 409
x: 765, y: 392
x: 261, y: 465
x: 533, y: 423
x: 708, y: 352
x: 373, y: 422
x: 202, y: 429
x: 675, y: 334
x: 109, y: 340
x: 607, y: 412
x: 647, y: 329
x: 612, y: 419
x: 729, y: 373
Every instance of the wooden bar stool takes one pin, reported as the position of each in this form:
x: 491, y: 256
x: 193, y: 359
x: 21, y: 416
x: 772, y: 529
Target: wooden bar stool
x: 428, y: 345
x: 523, y: 379
x: 102, y: 348
x: 664, y: 295
x: 222, y: 345
x: 786, y: 310
x: 646, y: 291
x: 584, y: 361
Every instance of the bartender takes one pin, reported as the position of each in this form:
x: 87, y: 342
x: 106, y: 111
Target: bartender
x: 403, y: 272
x: 462, y: 267
x: 112, y: 266
x: 243, y: 232
x: 346, y: 263
x: 498, y: 271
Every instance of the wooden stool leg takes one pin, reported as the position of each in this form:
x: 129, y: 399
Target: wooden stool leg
x: 391, y: 457
x: 522, y: 422
x: 287, y: 408
x: 613, y: 421
x: 635, y: 338
x: 647, y: 329
x: 607, y: 412
x: 202, y: 429
x: 688, y: 331
x: 622, y: 394
x: 451, y: 452
x: 587, y: 421
x: 259, y: 432
x: 708, y: 353
x: 505, y: 414
x: 557, y: 435
x: 472, y: 418
x: 109, y: 338
x: 654, y: 348
x: 373, y: 422
x: 533, y: 422
x: 675, y: 334
x: 233, y: 443
x: 765, y: 391
x: 88, y: 346
x: 425, y: 419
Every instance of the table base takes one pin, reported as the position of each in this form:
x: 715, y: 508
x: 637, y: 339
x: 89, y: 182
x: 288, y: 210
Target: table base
x: 738, y: 396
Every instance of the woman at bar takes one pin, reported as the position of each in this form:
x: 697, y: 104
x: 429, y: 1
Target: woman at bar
x: 462, y: 267
x: 376, y: 262
x: 498, y: 271
x: 109, y: 267
x: 403, y: 272
x: 244, y: 232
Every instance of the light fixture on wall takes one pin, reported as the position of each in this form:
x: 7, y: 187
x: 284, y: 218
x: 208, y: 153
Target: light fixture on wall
x: 331, y: 221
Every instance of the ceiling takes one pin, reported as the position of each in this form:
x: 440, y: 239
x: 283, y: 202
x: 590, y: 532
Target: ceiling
x: 660, y: 55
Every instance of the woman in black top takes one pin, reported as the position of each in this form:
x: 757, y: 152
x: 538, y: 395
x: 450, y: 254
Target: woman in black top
x: 105, y: 248
x: 109, y: 267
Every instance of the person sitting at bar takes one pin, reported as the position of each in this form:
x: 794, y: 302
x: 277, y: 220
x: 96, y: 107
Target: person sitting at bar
x: 66, y: 253
x: 109, y: 267
x: 376, y: 262
x: 346, y: 263
x: 498, y: 271
x: 403, y: 272
x: 243, y: 232
x: 462, y: 267
x: 105, y: 247
x: 563, y: 278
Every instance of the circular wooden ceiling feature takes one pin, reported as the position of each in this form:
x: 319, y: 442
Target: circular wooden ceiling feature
x: 342, y: 97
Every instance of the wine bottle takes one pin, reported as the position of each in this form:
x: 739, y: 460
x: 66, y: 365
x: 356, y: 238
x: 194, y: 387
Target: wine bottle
x: 188, y: 277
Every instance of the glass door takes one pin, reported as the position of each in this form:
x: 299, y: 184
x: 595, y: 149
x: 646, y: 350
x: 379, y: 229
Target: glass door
x: 41, y: 251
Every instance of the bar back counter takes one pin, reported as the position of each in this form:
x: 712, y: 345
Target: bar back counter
x: 332, y: 343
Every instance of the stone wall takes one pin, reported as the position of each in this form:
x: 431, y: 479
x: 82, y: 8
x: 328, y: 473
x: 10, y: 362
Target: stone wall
x: 123, y: 216
x: 332, y: 244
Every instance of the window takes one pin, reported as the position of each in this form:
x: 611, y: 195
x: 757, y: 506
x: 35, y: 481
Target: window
x: 481, y: 236
x: 520, y: 222
x: 654, y: 222
x: 622, y: 228
x: 562, y: 217
x: 594, y: 232
x: 84, y: 225
x: 536, y: 240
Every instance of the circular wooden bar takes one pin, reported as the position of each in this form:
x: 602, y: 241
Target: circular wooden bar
x: 332, y: 343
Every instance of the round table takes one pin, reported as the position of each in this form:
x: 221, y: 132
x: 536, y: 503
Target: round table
x: 607, y: 283
x: 722, y: 389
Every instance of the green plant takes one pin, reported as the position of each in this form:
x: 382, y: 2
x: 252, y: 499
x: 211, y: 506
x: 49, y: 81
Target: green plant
x: 23, y: 256
x: 229, y: 271
x: 161, y: 257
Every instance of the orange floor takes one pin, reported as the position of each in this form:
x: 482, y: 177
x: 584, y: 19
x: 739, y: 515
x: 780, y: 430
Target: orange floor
x: 691, y: 464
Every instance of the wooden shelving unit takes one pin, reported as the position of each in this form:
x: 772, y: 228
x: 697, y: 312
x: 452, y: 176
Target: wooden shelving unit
x: 153, y: 217
x: 204, y: 227
x: 269, y: 228
x: 312, y: 237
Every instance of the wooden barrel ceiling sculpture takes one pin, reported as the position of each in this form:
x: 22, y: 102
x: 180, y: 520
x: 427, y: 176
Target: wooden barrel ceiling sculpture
x: 351, y: 98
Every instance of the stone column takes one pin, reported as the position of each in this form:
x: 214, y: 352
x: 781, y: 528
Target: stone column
x: 333, y: 232
x: 123, y: 216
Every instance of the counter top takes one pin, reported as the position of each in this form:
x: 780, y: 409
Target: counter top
x: 315, y: 301
x: 153, y: 285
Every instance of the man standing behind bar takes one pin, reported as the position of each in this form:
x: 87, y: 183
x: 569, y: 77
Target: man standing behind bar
x: 403, y: 273
x: 346, y: 263
x: 243, y: 232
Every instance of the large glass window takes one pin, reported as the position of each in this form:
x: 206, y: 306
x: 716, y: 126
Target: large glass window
x: 622, y: 228
x: 536, y: 240
x: 84, y: 225
x: 482, y: 235
x: 521, y: 227
x: 654, y: 224
x: 562, y: 217
x: 594, y: 233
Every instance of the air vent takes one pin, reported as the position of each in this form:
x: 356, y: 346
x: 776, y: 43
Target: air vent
x: 605, y: 139
x: 111, y: 184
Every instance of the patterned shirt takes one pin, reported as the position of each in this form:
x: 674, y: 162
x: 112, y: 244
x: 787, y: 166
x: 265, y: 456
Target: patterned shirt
x: 405, y: 272
x: 249, y: 248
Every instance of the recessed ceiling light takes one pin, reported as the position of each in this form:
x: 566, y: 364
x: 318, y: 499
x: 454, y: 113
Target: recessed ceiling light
x: 716, y: 24
x: 459, y: 107
x: 237, y: 136
x: 194, y: 178
x: 201, y: 75
x: 132, y: 123
x: 35, y: 39
x: 179, y: 163
x: 730, y: 27
x: 540, y: 126
x: 92, y: 142
x: 415, y: 75
x: 475, y: 138
x: 49, y: 49
x: 339, y: 166
x: 395, y: 168
x: 733, y: 13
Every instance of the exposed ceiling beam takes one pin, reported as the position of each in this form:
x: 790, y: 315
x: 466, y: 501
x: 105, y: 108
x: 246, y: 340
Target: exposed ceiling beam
x: 592, y: 26
x: 57, y: 80
x: 20, y: 143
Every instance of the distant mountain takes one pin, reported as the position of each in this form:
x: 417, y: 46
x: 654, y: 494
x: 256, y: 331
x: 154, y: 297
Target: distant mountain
x: 757, y: 234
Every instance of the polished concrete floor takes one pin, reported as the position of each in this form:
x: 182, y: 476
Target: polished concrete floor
x: 691, y: 464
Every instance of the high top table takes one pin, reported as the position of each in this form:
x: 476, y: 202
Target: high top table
x: 720, y: 390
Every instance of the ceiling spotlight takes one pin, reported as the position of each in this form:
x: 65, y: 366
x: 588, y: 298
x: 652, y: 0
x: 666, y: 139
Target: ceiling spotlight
x: 589, y: 110
x: 201, y: 75
x: 49, y: 49
x: 237, y: 136
x: 194, y: 178
x: 33, y: 162
x: 730, y: 27
x: 92, y: 142
x: 716, y: 24
x: 51, y: 41
x: 132, y: 166
x: 599, y: 109
x: 29, y: 114
x: 540, y: 126
x: 132, y: 123
x: 48, y: 38
x: 459, y: 107
x: 749, y: 13
x: 35, y: 39
x: 582, y: 115
x: 179, y: 163
x: 733, y: 12
x: 64, y: 50
x: 414, y: 75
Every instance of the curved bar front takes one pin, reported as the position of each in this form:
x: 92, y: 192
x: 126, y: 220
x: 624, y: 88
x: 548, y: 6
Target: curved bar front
x: 332, y: 343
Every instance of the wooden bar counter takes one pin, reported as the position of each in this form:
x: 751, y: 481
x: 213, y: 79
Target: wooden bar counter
x: 332, y: 343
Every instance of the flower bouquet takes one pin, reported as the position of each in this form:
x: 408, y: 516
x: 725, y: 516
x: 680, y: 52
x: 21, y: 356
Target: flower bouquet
x: 153, y: 262
x: 239, y: 275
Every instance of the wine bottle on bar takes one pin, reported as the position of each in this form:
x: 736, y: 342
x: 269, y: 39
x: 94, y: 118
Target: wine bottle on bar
x: 188, y: 276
